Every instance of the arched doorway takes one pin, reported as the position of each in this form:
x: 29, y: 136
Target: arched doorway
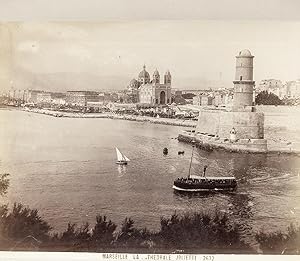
x: 162, y: 97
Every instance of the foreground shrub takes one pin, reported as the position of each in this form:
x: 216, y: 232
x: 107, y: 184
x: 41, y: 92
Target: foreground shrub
x: 199, y: 231
x: 23, y: 222
x: 280, y: 243
x: 23, y: 228
x: 103, y: 231
x: 129, y: 236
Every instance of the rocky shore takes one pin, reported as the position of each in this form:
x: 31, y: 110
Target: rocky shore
x: 109, y: 115
x: 210, y: 143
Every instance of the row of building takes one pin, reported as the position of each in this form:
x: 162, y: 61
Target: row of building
x: 150, y: 92
x: 71, y: 98
x: 290, y: 89
x: 223, y: 97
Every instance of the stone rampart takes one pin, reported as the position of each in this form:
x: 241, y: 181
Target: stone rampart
x: 210, y: 143
x: 248, y: 125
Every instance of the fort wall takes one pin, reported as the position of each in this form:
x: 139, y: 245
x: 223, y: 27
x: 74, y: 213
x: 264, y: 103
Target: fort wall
x: 240, y: 127
x: 207, y: 142
x: 248, y: 125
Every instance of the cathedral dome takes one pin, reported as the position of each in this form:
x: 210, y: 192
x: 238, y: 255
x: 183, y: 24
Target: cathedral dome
x: 144, y: 76
x: 144, y: 73
x: 245, y: 52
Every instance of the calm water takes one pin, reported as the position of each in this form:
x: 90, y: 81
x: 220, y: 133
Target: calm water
x: 66, y: 169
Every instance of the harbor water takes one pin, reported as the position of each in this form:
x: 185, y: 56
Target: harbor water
x: 66, y: 168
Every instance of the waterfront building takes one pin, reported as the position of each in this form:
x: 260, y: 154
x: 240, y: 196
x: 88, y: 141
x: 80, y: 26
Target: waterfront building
x: 58, y: 98
x: 151, y: 92
x: 272, y: 86
x: 43, y: 98
x: 31, y: 96
x: 213, y: 98
x: 269, y: 84
x: 111, y: 97
x: 203, y: 100
x: 11, y: 94
x: 222, y: 98
x: 293, y: 89
x: 80, y: 98
x: 76, y: 98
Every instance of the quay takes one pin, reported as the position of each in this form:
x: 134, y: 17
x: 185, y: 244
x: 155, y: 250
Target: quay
x: 107, y: 115
x: 210, y: 143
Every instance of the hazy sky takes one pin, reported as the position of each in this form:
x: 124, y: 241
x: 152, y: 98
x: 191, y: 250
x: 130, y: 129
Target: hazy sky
x: 37, y: 10
x: 198, y: 53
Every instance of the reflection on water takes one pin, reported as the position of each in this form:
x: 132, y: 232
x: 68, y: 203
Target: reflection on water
x: 66, y: 168
x: 122, y: 170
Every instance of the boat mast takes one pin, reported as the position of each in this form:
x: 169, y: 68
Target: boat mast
x: 191, y: 159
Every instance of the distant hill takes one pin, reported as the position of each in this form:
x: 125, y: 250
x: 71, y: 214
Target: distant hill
x: 64, y: 81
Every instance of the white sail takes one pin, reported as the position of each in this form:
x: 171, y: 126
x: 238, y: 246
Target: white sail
x: 126, y: 158
x: 120, y: 156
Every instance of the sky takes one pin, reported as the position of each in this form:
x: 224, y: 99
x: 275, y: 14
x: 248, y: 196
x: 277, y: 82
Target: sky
x: 107, y: 53
x: 87, y: 10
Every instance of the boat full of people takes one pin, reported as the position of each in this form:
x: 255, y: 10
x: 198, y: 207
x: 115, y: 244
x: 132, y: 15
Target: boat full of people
x: 195, y: 183
x: 205, y: 184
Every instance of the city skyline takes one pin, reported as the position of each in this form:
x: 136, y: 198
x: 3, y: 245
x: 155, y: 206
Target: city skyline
x: 107, y: 55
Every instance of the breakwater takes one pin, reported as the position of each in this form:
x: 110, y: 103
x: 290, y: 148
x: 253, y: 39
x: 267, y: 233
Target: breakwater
x: 210, y: 143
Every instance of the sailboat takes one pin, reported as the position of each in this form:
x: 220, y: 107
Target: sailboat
x: 122, y: 159
x: 194, y: 183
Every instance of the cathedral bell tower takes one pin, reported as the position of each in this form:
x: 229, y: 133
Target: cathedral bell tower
x: 156, y: 77
x: 167, y: 78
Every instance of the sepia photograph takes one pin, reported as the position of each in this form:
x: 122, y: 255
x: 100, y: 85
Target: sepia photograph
x: 150, y: 135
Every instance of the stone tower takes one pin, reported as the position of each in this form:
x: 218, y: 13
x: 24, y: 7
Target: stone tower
x: 240, y: 127
x: 167, y: 78
x: 243, y: 83
x: 156, y: 77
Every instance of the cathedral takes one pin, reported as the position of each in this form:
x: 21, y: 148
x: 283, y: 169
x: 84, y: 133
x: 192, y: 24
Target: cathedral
x: 151, y: 92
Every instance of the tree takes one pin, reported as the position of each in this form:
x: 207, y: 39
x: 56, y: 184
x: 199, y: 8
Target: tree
x: 267, y: 98
x: 103, y: 232
x: 4, y: 184
x: 188, y: 95
x: 129, y: 236
x: 280, y: 243
x: 22, y: 222
x: 70, y: 234
x: 200, y: 231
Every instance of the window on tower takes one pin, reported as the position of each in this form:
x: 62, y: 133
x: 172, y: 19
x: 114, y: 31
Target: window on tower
x: 241, y: 78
